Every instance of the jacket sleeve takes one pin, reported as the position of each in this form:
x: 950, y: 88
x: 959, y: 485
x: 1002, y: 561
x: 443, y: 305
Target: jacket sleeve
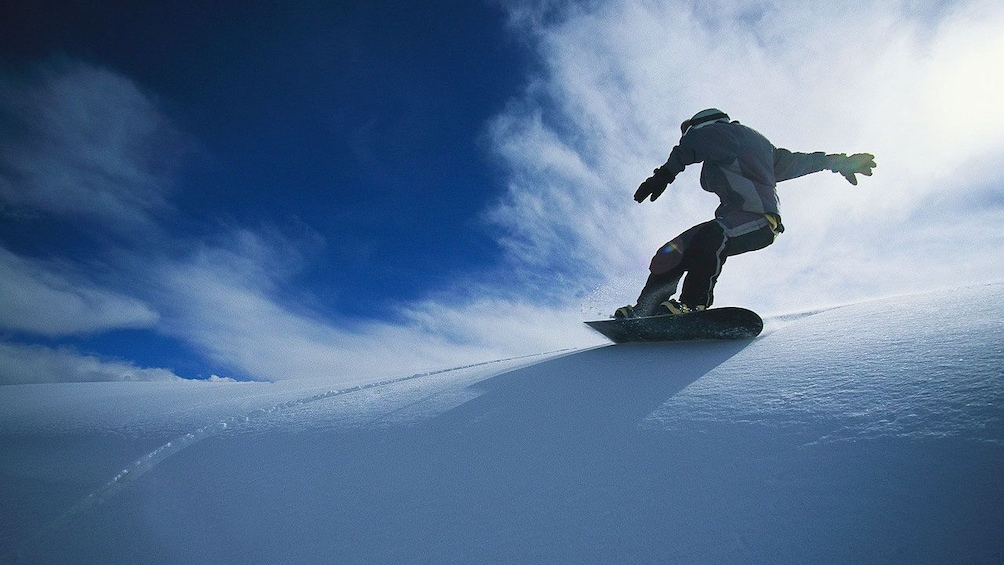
x: 705, y: 144
x: 789, y: 164
x: 677, y: 161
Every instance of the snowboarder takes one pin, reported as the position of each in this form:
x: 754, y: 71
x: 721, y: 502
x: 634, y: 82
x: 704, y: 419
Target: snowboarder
x: 742, y: 167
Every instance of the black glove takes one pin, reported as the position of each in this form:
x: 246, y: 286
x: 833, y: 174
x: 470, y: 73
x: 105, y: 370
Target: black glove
x: 654, y: 185
x: 859, y: 163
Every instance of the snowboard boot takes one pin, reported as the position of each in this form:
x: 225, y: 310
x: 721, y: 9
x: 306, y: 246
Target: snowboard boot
x: 677, y: 308
x: 625, y: 312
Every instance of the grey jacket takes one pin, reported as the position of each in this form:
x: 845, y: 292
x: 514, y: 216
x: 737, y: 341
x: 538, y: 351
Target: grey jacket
x: 742, y: 167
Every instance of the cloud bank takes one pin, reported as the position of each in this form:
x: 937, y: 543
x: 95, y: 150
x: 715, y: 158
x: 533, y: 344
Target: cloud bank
x: 917, y: 87
x: 26, y: 364
x: 48, y: 299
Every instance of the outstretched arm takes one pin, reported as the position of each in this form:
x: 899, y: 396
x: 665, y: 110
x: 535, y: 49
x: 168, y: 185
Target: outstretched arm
x: 789, y: 164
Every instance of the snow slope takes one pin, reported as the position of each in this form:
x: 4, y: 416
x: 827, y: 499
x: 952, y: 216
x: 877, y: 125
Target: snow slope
x: 870, y: 433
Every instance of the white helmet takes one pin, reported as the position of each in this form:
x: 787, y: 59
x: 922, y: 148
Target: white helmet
x: 703, y: 118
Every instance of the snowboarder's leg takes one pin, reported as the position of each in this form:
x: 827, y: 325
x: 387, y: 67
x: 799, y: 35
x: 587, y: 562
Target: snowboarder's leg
x: 671, y: 256
x: 667, y: 268
x: 699, y: 253
x: 708, y: 253
x: 658, y: 289
x: 703, y: 260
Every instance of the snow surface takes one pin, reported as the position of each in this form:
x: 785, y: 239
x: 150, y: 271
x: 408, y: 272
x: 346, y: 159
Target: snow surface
x: 869, y: 433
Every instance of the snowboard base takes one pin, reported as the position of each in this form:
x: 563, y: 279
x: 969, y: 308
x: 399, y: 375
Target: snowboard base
x: 715, y: 323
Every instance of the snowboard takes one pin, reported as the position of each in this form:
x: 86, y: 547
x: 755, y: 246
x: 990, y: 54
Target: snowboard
x: 715, y: 323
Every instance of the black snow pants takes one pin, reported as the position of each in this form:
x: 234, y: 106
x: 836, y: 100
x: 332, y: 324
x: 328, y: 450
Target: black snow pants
x: 700, y: 253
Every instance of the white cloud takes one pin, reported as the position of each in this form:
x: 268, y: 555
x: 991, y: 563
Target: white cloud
x: 882, y: 77
x: 25, y: 364
x: 228, y: 302
x: 45, y: 298
x: 85, y: 143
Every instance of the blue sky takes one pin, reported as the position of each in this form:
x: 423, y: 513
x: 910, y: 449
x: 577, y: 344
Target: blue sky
x: 263, y: 193
x: 359, y: 121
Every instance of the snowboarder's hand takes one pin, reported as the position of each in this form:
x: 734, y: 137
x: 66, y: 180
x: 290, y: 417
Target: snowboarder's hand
x: 654, y: 185
x: 859, y: 163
